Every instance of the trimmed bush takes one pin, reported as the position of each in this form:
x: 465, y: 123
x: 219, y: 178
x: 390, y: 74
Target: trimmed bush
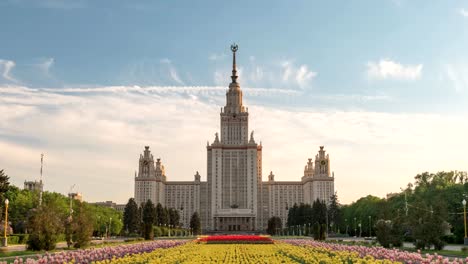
x: 13, y: 240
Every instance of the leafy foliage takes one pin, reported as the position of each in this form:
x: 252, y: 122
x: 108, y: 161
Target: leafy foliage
x: 195, y: 223
x: 45, y: 225
x: 149, y: 214
x: 274, y: 223
x: 82, y: 226
x: 130, y: 217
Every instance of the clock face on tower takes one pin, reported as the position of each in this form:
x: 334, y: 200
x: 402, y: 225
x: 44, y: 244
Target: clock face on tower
x: 323, y: 162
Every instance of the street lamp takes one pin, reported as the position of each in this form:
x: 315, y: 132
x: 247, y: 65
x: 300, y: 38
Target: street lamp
x: 464, y: 221
x: 355, y: 229
x: 5, y: 239
x: 360, y: 229
x: 346, y: 222
x: 110, y: 226
x: 370, y: 226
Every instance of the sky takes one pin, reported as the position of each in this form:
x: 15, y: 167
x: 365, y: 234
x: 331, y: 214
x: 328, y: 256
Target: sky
x: 383, y: 85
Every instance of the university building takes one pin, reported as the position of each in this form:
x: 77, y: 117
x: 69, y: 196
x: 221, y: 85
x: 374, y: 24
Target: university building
x: 234, y: 197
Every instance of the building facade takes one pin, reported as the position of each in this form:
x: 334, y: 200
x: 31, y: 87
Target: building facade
x: 234, y: 197
x: 33, y: 186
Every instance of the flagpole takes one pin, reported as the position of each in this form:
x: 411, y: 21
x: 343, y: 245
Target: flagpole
x: 40, y: 182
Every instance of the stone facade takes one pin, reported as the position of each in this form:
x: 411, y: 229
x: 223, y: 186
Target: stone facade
x: 234, y: 196
x: 33, y: 186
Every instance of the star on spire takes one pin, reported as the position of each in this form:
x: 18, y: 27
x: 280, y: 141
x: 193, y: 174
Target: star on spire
x: 234, y: 49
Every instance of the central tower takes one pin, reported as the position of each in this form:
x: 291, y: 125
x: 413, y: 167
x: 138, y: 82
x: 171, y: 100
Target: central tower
x: 233, y: 167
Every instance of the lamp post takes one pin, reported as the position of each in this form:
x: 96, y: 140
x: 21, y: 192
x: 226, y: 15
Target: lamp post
x: 355, y: 229
x: 110, y: 226
x: 370, y: 226
x: 346, y: 222
x: 360, y: 228
x: 5, y: 239
x: 464, y: 221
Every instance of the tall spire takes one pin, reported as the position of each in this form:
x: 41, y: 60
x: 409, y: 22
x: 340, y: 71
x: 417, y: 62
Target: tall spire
x: 234, y: 76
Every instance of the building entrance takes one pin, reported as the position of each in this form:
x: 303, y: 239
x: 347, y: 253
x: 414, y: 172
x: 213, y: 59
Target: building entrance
x: 234, y: 223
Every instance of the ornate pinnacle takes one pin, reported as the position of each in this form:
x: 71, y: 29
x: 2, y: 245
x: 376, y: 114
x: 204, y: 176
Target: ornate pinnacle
x: 234, y: 49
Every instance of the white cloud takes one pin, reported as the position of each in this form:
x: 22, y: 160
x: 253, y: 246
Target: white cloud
x: 458, y: 76
x: 303, y: 75
x: 285, y: 74
x: 172, y: 71
x: 296, y: 75
x: 45, y: 65
x: 216, y: 57
x: 463, y: 12
x: 5, y: 67
x: 93, y: 136
x: 388, y: 69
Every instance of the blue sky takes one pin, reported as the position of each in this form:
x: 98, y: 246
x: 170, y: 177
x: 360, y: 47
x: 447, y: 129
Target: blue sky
x: 395, y: 72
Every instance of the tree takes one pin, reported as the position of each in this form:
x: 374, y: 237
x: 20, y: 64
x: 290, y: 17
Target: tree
x: 428, y: 225
x: 319, y: 219
x: 292, y: 215
x: 274, y: 223
x: 4, y: 183
x: 160, y: 215
x: 148, y: 220
x: 45, y: 225
x: 4, y: 186
x: 319, y: 212
x: 82, y: 226
x: 174, y: 217
x: 334, y: 214
x: 130, y: 217
x: 195, y: 223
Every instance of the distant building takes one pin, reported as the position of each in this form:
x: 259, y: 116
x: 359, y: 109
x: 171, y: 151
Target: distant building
x: 234, y: 197
x: 76, y: 196
x: 33, y: 185
x: 110, y: 204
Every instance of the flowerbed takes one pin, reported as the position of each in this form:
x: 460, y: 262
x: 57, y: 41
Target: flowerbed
x: 376, y: 252
x: 236, y: 239
x: 100, y: 254
x: 240, y: 253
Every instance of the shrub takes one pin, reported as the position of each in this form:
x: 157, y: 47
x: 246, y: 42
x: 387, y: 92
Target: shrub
x: 13, y: 240
x: 22, y: 238
x: 46, y: 225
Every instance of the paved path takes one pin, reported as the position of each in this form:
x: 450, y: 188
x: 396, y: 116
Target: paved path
x: 454, y: 247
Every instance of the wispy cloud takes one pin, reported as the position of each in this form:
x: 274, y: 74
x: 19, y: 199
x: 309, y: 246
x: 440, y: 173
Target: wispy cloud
x: 388, y: 69
x: 5, y: 67
x: 172, y: 71
x: 216, y: 57
x: 45, y: 65
x: 458, y: 76
x: 95, y: 135
x: 285, y: 74
x: 300, y: 75
x: 463, y: 12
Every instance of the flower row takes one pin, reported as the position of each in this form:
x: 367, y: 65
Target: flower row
x: 100, y: 254
x: 376, y: 252
x: 241, y: 253
x: 227, y: 239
